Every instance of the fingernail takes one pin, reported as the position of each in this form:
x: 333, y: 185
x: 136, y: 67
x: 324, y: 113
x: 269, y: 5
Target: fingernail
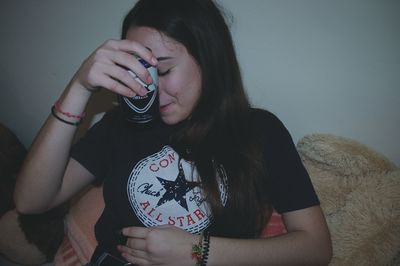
x: 143, y: 92
x: 154, y: 60
x: 149, y: 80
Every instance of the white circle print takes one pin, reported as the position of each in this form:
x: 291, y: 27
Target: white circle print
x: 165, y: 189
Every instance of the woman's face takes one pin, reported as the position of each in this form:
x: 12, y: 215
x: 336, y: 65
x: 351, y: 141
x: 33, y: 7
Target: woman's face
x: 179, y: 76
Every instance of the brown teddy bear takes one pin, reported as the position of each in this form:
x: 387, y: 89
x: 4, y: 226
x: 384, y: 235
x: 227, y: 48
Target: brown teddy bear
x: 359, y: 191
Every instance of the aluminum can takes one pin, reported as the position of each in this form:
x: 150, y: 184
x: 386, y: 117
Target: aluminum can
x: 142, y: 109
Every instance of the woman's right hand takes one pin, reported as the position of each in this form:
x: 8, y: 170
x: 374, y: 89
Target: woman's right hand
x: 107, y: 68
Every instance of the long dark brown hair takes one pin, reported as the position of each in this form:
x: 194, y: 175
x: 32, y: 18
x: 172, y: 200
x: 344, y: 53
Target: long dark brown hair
x: 218, y: 132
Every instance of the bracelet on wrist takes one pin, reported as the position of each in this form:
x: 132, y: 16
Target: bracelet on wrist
x: 205, y: 248
x: 197, y: 251
x: 201, y: 250
x: 57, y: 107
x: 54, y: 113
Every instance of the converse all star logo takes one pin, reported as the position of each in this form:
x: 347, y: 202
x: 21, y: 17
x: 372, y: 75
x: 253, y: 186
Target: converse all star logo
x: 165, y: 189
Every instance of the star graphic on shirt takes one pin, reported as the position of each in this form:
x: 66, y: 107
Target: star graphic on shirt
x: 176, y: 190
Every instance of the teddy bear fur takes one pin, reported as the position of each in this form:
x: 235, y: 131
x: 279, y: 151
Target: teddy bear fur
x: 359, y: 190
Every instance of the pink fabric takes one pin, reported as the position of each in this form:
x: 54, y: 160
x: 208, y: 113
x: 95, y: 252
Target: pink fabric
x: 275, y: 226
x: 79, y: 241
x: 66, y: 255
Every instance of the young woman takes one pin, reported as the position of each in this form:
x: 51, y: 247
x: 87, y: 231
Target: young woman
x: 197, y: 185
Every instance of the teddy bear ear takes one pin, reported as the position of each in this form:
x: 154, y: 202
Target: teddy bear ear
x: 344, y: 156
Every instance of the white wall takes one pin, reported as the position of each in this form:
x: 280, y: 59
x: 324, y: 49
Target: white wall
x: 321, y: 66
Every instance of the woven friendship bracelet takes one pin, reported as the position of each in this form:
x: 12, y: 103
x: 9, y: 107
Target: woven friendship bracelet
x: 57, y: 107
x: 197, y: 251
x: 53, y: 112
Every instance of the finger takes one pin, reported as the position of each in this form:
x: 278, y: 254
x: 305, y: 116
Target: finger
x: 132, y: 47
x: 139, y: 50
x: 110, y: 56
x: 117, y: 87
x: 134, y: 260
x: 127, y: 78
x: 133, y: 252
x: 135, y: 231
x: 134, y: 256
x: 136, y: 243
x: 164, y: 226
x: 131, y: 62
x: 101, y: 74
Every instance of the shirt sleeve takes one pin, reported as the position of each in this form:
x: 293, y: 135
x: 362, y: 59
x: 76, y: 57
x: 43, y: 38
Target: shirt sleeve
x: 290, y: 186
x: 93, y: 150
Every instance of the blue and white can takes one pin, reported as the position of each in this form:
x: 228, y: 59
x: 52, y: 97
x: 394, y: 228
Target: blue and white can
x: 142, y: 109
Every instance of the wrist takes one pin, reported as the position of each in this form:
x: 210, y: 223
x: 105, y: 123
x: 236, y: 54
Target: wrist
x: 65, y: 117
x: 70, y: 107
x: 78, y: 87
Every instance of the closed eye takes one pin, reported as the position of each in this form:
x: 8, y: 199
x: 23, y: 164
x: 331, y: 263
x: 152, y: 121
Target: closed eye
x: 163, y: 73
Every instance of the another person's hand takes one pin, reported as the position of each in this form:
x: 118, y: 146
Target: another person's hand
x: 107, y: 68
x: 161, y: 245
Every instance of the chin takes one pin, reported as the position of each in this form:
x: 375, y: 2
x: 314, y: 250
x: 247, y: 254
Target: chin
x: 169, y: 120
x: 172, y: 119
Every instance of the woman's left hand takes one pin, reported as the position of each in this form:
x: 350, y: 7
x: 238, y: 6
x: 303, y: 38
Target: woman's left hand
x: 161, y: 245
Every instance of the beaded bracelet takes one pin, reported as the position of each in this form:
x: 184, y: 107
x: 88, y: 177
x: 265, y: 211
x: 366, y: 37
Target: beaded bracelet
x: 53, y: 112
x: 57, y: 107
x: 205, y: 248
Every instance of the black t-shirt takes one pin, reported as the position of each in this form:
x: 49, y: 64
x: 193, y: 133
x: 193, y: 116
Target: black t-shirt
x: 147, y: 183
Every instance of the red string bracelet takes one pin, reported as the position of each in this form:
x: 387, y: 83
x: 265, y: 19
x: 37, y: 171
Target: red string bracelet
x: 57, y: 107
x: 53, y: 112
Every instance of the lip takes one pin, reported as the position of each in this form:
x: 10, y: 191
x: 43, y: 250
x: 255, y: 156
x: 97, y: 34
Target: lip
x: 163, y: 108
